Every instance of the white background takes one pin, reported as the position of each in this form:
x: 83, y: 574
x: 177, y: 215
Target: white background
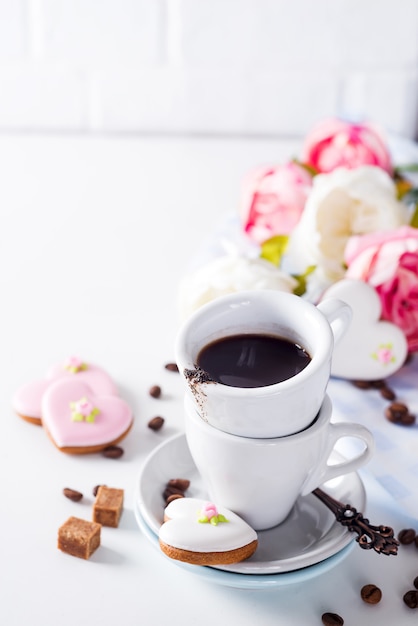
x: 98, y: 224
x: 94, y: 237
x: 208, y: 66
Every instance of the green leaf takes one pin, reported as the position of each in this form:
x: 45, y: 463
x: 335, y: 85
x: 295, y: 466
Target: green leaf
x: 411, y: 195
x: 273, y: 249
x: 414, y: 219
x: 403, y: 187
x: 408, y: 167
x: 309, y: 168
x: 302, y: 280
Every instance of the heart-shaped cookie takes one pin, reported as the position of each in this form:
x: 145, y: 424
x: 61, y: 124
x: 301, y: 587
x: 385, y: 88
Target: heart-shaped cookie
x: 27, y: 401
x: 198, y: 532
x: 371, y: 348
x: 78, y: 421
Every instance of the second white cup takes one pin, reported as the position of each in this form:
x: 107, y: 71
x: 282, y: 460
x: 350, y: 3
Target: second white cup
x: 261, y: 479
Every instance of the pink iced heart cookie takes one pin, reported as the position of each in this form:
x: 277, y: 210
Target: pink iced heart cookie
x: 27, y: 401
x: 371, y: 348
x: 78, y: 421
x: 199, y: 532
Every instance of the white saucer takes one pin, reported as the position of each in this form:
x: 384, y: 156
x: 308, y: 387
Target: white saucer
x: 247, y: 581
x: 309, y: 536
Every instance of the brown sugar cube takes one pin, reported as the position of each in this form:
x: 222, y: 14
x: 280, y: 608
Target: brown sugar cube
x: 79, y: 537
x: 108, y: 505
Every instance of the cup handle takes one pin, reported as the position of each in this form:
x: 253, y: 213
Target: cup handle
x: 338, y: 314
x: 325, y: 471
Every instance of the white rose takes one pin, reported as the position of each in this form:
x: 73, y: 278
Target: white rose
x: 342, y: 203
x: 229, y: 274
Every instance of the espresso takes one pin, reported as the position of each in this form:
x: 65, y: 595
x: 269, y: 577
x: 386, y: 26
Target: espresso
x: 253, y: 360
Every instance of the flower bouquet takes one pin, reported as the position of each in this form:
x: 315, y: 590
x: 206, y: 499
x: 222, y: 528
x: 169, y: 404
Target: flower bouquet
x: 342, y: 210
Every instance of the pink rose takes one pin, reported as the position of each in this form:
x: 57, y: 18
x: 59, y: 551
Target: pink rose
x: 389, y: 262
x: 334, y: 143
x: 84, y: 407
x: 273, y: 199
x: 209, y: 510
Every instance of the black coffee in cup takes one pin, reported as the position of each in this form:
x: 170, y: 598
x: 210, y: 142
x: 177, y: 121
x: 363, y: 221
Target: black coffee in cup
x: 252, y: 360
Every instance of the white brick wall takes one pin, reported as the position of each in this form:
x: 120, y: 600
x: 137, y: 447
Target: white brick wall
x: 207, y: 66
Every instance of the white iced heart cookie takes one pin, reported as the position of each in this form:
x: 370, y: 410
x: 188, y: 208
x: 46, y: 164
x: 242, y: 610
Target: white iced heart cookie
x: 371, y: 348
x: 197, y: 532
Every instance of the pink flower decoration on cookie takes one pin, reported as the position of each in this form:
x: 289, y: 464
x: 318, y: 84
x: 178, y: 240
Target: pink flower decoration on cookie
x: 75, y: 364
x: 83, y: 410
x: 209, y: 514
x: 335, y: 143
x: 384, y: 354
x: 209, y: 510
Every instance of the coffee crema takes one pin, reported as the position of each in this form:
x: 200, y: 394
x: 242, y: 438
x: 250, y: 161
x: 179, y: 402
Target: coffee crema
x: 252, y: 360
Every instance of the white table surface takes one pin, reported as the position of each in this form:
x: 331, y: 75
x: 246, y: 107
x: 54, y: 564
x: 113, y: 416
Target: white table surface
x: 94, y: 236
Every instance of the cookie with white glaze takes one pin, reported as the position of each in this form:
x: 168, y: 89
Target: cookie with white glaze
x: 27, y: 401
x: 198, y: 532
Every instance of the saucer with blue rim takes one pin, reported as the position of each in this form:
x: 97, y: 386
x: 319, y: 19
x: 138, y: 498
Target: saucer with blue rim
x: 308, y: 542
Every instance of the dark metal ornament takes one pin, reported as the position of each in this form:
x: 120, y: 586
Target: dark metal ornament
x: 378, y: 538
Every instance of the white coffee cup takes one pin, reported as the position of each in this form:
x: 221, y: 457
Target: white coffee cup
x: 273, y: 410
x: 261, y: 479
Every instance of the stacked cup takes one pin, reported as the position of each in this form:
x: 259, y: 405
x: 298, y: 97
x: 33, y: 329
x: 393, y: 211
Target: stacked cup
x: 257, y: 416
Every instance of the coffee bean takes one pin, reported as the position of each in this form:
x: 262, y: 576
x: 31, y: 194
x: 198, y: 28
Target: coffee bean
x: 72, y: 494
x: 377, y: 384
x: 180, y: 483
x: 362, y: 384
x: 416, y: 541
x: 408, y: 420
x: 155, y: 391
x: 406, y: 536
x: 174, y: 496
x: 411, y: 599
x: 156, y: 423
x: 171, y: 367
x: 396, y: 412
x: 112, y: 452
x: 169, y: 491
x: 387, y: 393
x: 95, y: 490
x: 416, y: 582
x: 402, y: 416
x: 332, y: 619
x: 371, y: 594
